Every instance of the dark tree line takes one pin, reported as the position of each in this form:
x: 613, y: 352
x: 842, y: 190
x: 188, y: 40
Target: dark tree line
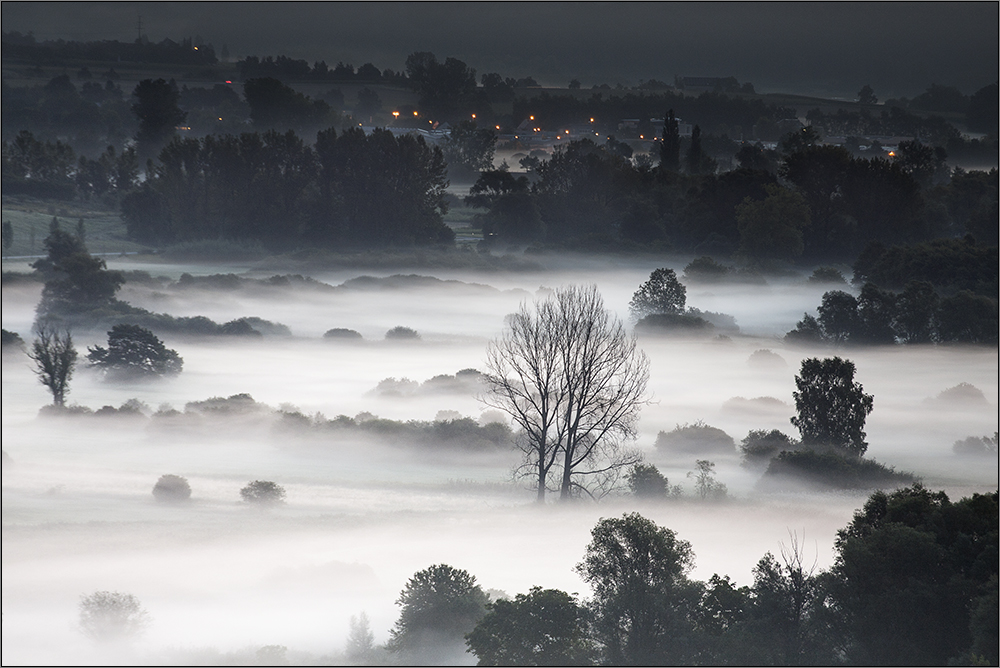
x: 285, y: 68
x: 828, y: 205
x: 349, y: 190
x: 917, y: 314
x: 941, y: 291
x: 166, y: 52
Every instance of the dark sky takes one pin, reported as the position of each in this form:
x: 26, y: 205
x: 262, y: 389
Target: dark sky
x: 834, y: 48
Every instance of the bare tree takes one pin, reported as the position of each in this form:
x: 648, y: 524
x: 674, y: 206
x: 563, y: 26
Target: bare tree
x: 523, y: 379
x: 55, y: 358
x: 570, y: 376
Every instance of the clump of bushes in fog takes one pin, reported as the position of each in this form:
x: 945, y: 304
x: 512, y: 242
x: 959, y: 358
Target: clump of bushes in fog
x: 171, y: 488
x: 760, y: 447
x: 400, y: 333
x: 697, y: 438
x: 792, y: 469
x: 975, y: 446
x: 465, y: 382
x: 263, y: 493
x: 827, y: 275
x: 342, y: 334
x: 646, y: 482
x: 766, y: 359
x: 108, y: 616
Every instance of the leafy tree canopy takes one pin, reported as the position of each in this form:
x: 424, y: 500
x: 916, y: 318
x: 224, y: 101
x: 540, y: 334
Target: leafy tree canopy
x: 545, y: 627
x: 662, y: 293
x: 134, y: 351
x: 831, y: 408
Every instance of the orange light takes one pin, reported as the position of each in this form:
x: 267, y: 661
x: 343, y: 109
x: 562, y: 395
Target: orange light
x: 395, y: 114
x: 195, y: 48
x: 220, y: 118
x: 641, y: 137
x: 498, y: 127
x: 473, y: 115
x: 414, y: 113
x: 892, y: 154
x: 531, y: 118
x: 591, y: 120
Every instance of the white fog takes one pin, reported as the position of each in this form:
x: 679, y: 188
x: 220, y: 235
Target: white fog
x: 361, y: 516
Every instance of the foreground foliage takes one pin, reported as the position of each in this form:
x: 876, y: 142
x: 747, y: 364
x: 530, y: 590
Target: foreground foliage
x: 914, y: 582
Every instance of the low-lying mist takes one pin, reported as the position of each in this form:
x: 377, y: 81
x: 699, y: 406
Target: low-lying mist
x: 366, y: 508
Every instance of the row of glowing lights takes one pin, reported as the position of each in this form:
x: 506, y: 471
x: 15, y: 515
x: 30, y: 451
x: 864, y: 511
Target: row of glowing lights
x: 396, y: 115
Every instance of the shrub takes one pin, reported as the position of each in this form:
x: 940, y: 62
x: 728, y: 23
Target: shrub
x: 402, y: 334
x: 263, y: 492
x: 976, y: 446
x: 342, y: 334
x: 705, y: 270
x: 646, y: 482
x: 760, y: 446
x: 697, y: 438
x: 765, y: 358
x: 831, y: 469
x: 674, y: 323
x: 12, y: 339
x: 827, y: 275
x: 171, y: 488
x: 111, y: 615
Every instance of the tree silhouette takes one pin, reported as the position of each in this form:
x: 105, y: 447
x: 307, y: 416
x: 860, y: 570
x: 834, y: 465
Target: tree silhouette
x: 158, y: 113
x: 573, y: 381
x: 831, y: 408
x: 55, y: 358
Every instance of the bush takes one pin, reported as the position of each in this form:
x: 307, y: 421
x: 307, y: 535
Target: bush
x: 765, y: 358
x: 171, y: 488
x: 832, y: 470
x: 12, y: 339
x: 963, y: 394
x: 760, y: 446
x: 698, y: 438
x: 263, y: 492
x: 646, y: 482
x: 705, y: 270
x: 977, y: 447
x: 402, y: 334
x: 110, y: 615
x: 674, y: 323
x: 342, y: 334
x: 827, y: 275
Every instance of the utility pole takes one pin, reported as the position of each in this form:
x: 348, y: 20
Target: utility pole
x: 139, y: 39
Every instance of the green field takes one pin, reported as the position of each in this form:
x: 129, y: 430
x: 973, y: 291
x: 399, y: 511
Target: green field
x: 104, y: 231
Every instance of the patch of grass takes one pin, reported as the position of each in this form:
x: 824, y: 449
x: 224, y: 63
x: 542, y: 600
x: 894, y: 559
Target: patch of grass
x: 104, y: 231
